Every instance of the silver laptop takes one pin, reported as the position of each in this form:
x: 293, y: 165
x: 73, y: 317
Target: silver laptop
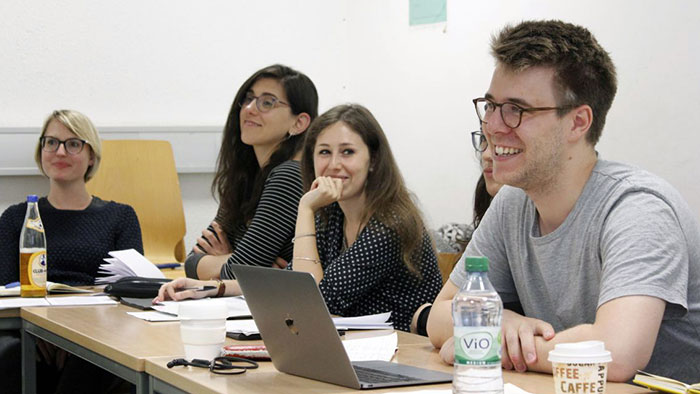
x: 302, y: 340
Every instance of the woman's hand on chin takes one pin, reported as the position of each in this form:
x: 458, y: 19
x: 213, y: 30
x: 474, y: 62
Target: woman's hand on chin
x: 324, y: 191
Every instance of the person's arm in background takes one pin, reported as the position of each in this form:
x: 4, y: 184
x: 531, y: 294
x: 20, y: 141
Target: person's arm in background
x: 129, y: 236
x: 10, y: 229
x: 272, y: 226
x: 270, y: 229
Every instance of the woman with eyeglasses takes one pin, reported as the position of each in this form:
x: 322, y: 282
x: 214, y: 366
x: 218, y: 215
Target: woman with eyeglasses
x: 357, y: 231
x: 258, y: 180
x: 484, y: 192
x: 80, y: 230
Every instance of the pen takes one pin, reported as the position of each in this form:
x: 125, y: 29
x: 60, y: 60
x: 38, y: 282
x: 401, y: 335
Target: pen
x: 16, y: 284
x: 198, y: 288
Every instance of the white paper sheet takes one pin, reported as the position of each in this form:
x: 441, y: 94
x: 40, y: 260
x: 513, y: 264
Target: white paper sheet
x: 381, y: 347
x: 127, y: 262
x: 22, y: 302
x: 237, y: 307
x: 368, y: 322
x: 56, y: 301
x: 246, y: 327
x: 80, y: 300
x: 153, y: 316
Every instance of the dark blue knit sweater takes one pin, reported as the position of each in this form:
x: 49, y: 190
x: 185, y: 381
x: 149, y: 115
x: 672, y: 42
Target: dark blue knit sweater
x: 76, y: 241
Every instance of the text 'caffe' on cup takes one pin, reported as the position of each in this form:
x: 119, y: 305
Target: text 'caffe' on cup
x: 580, y: 367
x: 202, y: 328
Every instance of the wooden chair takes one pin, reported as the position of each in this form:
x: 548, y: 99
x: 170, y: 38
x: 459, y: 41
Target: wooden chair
x: 446, y: 262
x: 142, y: 173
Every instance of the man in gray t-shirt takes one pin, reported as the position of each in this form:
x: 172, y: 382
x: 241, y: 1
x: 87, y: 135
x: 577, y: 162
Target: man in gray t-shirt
x: 590, y: 249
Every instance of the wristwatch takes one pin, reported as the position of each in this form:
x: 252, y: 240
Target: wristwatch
x: 221, y: 288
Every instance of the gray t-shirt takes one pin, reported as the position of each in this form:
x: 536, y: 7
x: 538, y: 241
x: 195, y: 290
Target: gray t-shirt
x: 630, y: 233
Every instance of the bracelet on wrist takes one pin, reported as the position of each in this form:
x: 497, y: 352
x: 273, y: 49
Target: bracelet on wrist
x: 315, y: 261
x: 302, y: 236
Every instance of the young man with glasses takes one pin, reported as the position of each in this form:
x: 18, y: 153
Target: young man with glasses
x: 592, y: 249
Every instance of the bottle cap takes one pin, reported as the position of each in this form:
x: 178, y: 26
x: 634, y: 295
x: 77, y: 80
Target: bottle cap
x: 580, y: 352
x: 32, y: 198
x: 476, y: 263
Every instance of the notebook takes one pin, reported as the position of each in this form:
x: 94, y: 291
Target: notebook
x: 302, y: 340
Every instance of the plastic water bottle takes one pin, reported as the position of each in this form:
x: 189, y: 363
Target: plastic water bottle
x: 477, y: 310
x: 32, y: 252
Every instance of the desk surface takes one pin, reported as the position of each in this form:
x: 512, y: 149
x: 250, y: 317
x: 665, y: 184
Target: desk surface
x: 107, y: 330
x: 413, y: 350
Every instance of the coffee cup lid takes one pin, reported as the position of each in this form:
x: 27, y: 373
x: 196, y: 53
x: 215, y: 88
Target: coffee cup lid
x: 202, y: 309
x: 580, y: 352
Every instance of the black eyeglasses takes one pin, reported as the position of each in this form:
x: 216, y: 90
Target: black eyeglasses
x: 72, y: 146
x: 225, y: 365
x: 479, y: 141
x: 264, y: 103
x: 511, y: 113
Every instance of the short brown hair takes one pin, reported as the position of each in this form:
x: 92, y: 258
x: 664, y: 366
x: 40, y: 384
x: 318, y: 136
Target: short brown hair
x: 583, y: 70
x: 82, y: 127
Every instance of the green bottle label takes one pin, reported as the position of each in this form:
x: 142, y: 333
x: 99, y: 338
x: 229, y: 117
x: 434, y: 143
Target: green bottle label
x: 477, y: 345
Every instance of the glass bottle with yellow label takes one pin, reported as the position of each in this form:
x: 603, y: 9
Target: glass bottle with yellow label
x: 32, y: 252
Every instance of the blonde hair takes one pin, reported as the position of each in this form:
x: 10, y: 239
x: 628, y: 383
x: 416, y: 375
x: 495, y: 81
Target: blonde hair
x: 82, y: 127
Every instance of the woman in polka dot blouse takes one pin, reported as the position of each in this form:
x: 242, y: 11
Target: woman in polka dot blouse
x: 358, y: 231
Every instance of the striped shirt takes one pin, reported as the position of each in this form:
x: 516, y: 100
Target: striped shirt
x: 269, y: 234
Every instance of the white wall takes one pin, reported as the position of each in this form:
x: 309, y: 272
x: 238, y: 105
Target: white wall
x: 420, y: 82
x: 179, y: 63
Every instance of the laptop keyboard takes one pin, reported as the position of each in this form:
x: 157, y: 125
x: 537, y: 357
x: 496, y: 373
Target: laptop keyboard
x: 369, y: 375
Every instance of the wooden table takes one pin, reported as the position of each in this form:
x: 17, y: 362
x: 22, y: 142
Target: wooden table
x: 104, y: 335
x: 138, y: 351
x: 413, y: 350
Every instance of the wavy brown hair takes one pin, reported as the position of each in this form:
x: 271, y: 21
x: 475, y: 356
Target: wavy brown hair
x: 387, y: 199
x: 239, y: 179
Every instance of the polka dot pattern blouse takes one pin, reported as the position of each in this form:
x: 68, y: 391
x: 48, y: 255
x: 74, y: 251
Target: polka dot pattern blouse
x: 370, y: 276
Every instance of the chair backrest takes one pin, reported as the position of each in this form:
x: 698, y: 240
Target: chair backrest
x: 142, y: 173
x: 446, y: 262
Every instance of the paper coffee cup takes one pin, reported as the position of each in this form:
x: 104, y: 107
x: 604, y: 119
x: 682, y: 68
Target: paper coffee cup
x: 580, y: 367
x: 202, y: 328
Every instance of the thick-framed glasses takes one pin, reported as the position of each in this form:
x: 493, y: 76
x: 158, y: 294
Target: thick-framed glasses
x: 225, y: 365
x: 264, y: 103
x: 72, y: 146
x: 479, y: 141
x: 511, y: 113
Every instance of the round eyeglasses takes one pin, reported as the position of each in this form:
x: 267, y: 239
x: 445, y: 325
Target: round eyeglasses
x: 511, y: 113
x: 264, y: 103
x: 479, y: 141
x: 72, y: 146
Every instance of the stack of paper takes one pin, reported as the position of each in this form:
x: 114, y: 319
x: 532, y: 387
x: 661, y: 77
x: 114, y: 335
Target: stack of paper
x: 56, y: 301
x: 167, y: 310
x: 369, y: 322
x: 124, y: 263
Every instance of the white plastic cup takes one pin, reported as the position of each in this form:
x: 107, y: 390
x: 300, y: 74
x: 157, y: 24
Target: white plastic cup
x: 202, y: 328
x: 580, y: 367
